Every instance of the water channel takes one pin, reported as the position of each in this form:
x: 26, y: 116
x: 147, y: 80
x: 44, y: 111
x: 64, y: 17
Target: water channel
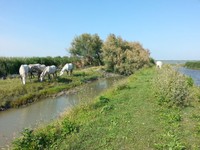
x: 13, y: 121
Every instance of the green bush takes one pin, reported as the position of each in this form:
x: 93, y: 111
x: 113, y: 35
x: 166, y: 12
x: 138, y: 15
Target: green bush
x: 102, y: 101
x: 45, y: 137
x: 172, y: 88
x: 124, y: 57
x: 5, y: 105
x: 68, y: 127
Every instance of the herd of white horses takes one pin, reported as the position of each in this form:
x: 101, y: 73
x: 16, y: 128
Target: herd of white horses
x: 42, y: 70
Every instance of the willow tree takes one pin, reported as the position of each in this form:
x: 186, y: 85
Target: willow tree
x: 88, y: 47
x: 123, y: 57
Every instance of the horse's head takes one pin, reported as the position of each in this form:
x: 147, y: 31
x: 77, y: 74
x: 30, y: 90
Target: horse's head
x: 61, y: 72
x: 42, y: 75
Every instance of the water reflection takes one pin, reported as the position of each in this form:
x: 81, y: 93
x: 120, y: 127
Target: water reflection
x: 13, y: 121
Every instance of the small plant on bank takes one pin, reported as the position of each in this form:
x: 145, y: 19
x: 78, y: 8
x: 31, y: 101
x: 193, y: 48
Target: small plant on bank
x: 172, y: 88
x: 102, y: 101
x: 45, y: 137
x: 170, y: 142
x: 68, y: 127
x: 122, y: 87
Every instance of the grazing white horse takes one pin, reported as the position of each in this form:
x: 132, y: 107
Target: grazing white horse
x: 159, y: 64
x: 23, y: 71
x: 68, y: 68
x: 48, y: 70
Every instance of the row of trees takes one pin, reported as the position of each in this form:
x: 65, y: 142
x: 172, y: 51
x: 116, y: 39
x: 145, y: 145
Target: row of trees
x: 116, y: 54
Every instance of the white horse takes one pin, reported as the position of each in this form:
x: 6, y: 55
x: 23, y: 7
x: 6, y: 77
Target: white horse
x: 23, y: 71
x: 68, y: 68
x: 48, y: 70
x: 159, y: 64
x: 36, y: 68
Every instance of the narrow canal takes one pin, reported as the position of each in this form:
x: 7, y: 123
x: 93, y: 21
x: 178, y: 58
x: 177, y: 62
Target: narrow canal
x: 13, y: 121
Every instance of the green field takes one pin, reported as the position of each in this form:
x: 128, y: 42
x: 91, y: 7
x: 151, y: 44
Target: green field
x: 127, y: 116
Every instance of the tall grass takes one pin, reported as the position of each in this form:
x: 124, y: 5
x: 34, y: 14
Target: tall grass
x: 10, y: 65
x: 193, y: 65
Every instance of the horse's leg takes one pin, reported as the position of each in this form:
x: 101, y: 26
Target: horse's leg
x: 23, y: 79
x: 71, y: 72
x: 29, y: 76
x: 38, y: 73
x: 56, y: 74
x: 49, y: 76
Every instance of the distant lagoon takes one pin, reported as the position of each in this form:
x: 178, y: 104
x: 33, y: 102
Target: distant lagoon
x: 177, y: 61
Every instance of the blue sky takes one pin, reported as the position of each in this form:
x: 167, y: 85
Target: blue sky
x: 170, y: 29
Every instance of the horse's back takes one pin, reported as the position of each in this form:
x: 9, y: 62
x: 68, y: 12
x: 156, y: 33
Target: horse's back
x: 68, y: 67
x: 51, y: 69
x: 42, y: 67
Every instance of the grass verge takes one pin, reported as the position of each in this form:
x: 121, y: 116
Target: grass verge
x: 126, y: 116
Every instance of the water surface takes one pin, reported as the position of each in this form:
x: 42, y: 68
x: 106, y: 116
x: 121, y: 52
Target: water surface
x: 13, y: 121
x: 194, y: 74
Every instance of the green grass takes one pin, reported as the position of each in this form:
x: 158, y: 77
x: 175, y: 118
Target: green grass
x: 126, y: 116
x: 14, y: 94
x: 131, y: 123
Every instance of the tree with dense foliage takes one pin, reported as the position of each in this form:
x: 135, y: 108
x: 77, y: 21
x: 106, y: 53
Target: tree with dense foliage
x: 88, y: 47
x: 124, y: 57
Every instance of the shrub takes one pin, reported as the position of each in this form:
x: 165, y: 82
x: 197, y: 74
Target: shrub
x: 68, y: 127
x: 124, y: 57
x: 102, y: 101
x: 25, y: 140
x: 172, y: 88
x: 45, y: 137
x: 5, y: 105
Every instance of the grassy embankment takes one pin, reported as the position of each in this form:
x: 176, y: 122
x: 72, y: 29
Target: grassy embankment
x: 14, y: 94
x: 128, y: 116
